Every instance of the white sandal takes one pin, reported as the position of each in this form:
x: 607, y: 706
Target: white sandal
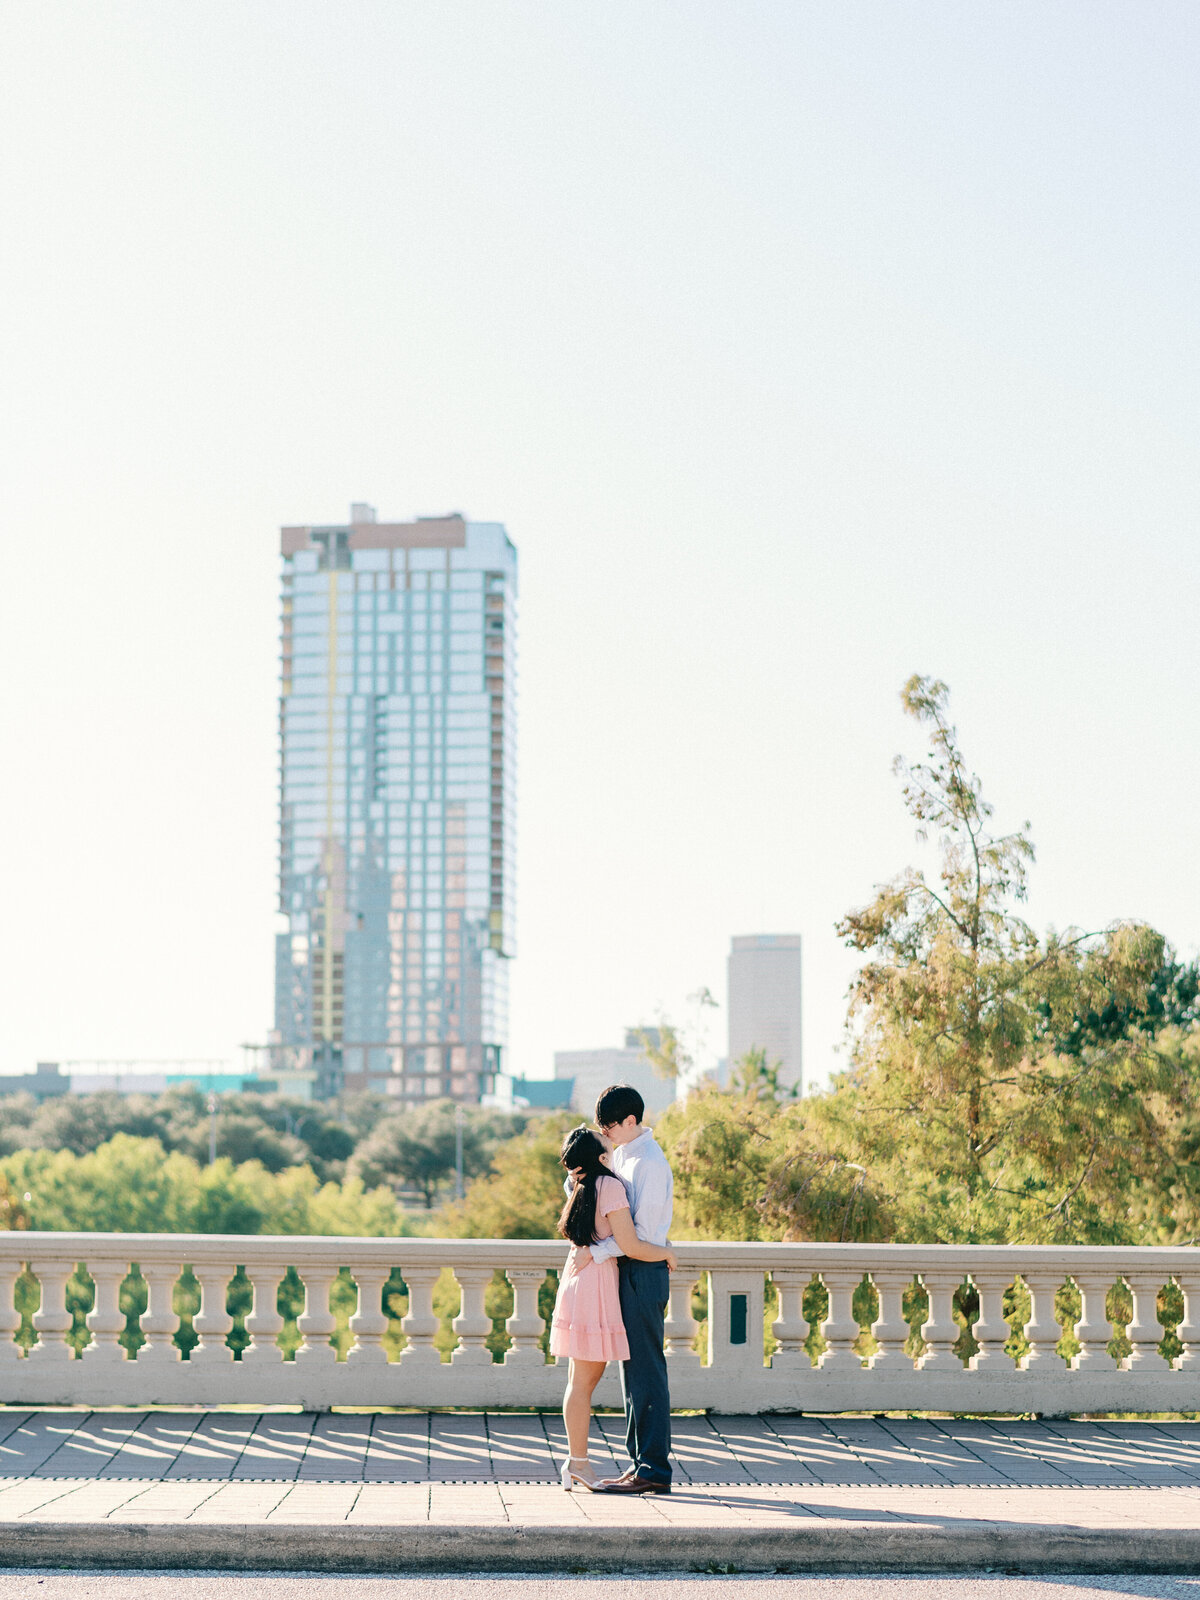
x: 578, y: 1470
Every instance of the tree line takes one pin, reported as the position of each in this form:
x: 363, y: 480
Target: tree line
x: 136, y: 1162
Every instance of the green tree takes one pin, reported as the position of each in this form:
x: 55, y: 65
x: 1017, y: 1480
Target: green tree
x: 751, y: 1165
x: 76, y: 1122
x: 132, y: 1185
x: 720, y: 1147
x: 521, y: 1197
x: 753, y: 1077
x: 241, y: 1137
x: 964, y: 1109
x: 418, y: 1148
x: 17, y: 1112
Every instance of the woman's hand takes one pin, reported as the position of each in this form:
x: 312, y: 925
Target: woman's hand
x: 672, y: 1262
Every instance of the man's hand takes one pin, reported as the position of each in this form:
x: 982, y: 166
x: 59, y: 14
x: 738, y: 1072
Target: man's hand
x: 583, y: 1257
x: 577, y: 1173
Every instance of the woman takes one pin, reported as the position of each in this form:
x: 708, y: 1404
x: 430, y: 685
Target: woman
x: 587, y: 1324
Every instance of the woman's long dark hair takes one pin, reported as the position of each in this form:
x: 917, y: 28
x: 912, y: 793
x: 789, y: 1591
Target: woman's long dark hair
x: 581, y: 1148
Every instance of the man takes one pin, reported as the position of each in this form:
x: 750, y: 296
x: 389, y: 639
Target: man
x: 639, y: 1162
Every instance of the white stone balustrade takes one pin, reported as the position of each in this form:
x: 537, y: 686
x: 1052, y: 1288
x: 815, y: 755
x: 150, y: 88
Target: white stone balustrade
x: 740, y: 1284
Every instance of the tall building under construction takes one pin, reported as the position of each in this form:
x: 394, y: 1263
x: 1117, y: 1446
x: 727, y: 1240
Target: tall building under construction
x: 397, y: 796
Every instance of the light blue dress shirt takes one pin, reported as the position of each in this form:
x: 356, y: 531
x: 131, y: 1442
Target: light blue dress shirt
x: 646, y: 1173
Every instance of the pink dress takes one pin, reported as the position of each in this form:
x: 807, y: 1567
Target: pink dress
x: 587, y: 1320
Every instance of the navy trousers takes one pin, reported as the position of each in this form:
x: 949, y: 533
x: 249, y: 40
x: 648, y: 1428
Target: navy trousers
x: 644, y: 1286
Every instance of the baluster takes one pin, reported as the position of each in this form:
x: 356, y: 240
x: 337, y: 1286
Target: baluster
x: 939, y: 1330
x: 212, y: 1322
x: 52, y: 1319
x: 525, y: 1325
x: 263, y: 1321
x: 317, y: 1322
x: 105, y: 1319
x: 10, y: 1317
x: 159, y: 1321
x: 840, y: 1327
x: 472, y: 1324
x: 1186, y: 1331
x: 1093, y: 1330
x: 1068, y: 1328
x: 1041, y: 1331
x: 990, y: 1330
x: 890, y: 1329
x: 789, y: 1327
x: 681, y: 1326
x: 1145, y: 1331
x: 369, y: 1322
x: 420, y: 1324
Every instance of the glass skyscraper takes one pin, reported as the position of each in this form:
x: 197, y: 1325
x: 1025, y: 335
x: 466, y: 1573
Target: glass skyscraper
x: 397, y: 803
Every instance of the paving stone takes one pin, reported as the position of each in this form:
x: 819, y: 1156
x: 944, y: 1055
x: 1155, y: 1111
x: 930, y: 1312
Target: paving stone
x: 392, y: 1504
x: 25, y: 1495
x: 518, y: 1447
x: 398, y: 1449
x: 240, y: 1503
x: 316, y: 1502
x: 10, y: 1421
x: 762, y: 1451
x: 216, y: 1446
x: 93, y: 1500
x: 90, y: 1446
x: 275, y: 1447
x: 154, y: 1445
x: 460, y: 1448
x: 35, y: 1439
x: 336, y: 1447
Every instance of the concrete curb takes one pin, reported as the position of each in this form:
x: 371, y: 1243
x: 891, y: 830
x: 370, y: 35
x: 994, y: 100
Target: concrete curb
x: 805, y: 1547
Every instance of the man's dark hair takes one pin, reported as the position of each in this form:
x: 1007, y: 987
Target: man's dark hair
x: 619, y: 1101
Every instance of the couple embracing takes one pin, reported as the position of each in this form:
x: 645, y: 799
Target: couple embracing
x: 613, y: 1292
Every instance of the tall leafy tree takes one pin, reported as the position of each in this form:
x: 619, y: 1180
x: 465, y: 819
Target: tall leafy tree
x: 980, y: 1101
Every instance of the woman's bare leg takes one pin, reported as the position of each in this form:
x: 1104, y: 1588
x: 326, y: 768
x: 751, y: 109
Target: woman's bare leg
x: 577, y: 1404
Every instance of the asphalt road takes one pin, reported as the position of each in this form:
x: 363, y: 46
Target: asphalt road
x: 42, y: 1585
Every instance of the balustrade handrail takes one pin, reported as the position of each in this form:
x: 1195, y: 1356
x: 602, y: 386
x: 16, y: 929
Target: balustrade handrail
x: 903, y: 1345
x: 703, y: 1254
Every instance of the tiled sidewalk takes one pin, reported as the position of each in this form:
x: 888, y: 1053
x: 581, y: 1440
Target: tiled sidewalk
x: 481, y: 1448
x: 437, y: 1490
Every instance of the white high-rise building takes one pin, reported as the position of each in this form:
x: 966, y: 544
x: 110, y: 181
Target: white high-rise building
x: 764, y: 1001
x: 397, y: 805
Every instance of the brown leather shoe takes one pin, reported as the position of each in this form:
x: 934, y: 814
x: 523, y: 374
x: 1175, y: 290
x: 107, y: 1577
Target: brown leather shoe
x: 632, y: 1485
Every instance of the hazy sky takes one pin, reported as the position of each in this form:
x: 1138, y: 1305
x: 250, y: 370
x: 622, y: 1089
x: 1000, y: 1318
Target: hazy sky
x: 800, y: 347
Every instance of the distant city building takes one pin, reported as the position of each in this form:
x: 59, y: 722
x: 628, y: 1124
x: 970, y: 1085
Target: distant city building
x: 539, y: 1094
x: 764, y: 1001
x: 42, y: 1084
x: 130, y: 1077
x: 595, y: 1070
x: 160, y: 1082
x: 397, y: 806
